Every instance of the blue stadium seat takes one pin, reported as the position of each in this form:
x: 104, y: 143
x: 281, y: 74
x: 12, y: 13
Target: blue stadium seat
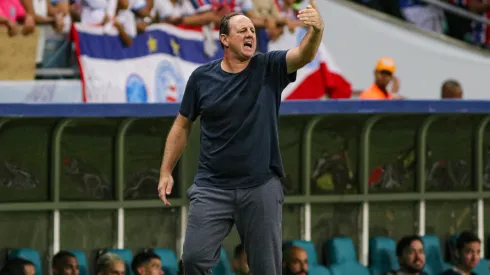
x: 82, y: 261
x: 318, y: 270
x: 127, y: 256
x: 342, y: 257
x: 27, y: 254
x: 482, y: 268
x: 382, y: 255
x: 169, y: 260
x: 340, y: 250
x: 223, y: 267
x: 434, y: 263
x: 309, y: 247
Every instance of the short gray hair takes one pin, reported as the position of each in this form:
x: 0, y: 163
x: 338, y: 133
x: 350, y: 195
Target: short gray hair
x: 105, y: 261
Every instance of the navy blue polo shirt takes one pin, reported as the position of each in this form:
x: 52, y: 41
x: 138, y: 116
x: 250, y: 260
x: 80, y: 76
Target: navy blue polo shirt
x: 239, y: 120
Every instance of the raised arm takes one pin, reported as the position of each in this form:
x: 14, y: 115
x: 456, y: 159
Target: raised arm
x: 298, y: 57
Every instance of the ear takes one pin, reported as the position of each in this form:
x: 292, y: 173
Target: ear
x: 224, y: 40
x: 141, y: 270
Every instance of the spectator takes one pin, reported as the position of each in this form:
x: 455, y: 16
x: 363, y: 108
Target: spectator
x: 386, y: 6
x: 11, y: 12
x: 147, y: 263
x: 110, y: 264
x: 274, y: 20
x: 383, y: 76
x: 467, y: 254
x: 451, y: 89
x: 425, y: 16
x: 481, y: 32
x: 18, y: 266
x: 239, y: 263
x: 458, y: 27
x: 411, y: 256
x: 289, y: 12
x: 184, y: 12
x: 65, y: 263
x: 295, y: 261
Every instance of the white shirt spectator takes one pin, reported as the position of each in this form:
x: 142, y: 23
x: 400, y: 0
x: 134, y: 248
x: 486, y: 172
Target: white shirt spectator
x: 166, y: 9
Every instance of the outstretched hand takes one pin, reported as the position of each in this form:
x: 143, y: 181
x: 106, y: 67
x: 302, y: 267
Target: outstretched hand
x: 310, y: 16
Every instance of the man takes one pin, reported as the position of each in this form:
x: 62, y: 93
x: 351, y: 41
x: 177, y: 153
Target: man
x: 239, y: 263
x: 468, y: 247
x: 295, y: 261
x: 18, y: 266
x: 110, y: 264
x: 65, y: 263
x: 411, y: 256
x: 451, y: 89
x: 147, y: 263
x: 383, y: 76
x: 239, y: 171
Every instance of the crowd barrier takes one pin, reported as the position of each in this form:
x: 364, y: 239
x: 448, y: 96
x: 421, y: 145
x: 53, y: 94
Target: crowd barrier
x: 351, y: 162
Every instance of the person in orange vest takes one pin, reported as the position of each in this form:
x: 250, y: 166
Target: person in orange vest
x: 383, y: 76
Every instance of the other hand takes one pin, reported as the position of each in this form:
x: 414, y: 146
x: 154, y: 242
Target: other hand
x: 165, y: 187
x: 310, y: 16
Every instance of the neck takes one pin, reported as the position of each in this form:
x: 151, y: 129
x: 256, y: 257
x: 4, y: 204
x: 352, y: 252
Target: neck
x: 232, y: 64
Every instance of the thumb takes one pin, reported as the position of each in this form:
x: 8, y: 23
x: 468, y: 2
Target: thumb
x: 313, y: 4
x: 170, y: 184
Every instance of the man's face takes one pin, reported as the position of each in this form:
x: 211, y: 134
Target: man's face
x: 154, y: 267
x: 470, y: 255
x: 241, y: 39
x: 383, y: 78
x: 117, y: 268
x: 68, y: 267
x: 240, y: 264
x: 298, y: 263
x: 413, y: 259
x: 29, y: 269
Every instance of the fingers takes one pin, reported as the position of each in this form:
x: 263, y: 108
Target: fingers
x: 164, y: 189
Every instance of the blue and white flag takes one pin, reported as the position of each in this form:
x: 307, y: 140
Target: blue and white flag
x: 154, y: 68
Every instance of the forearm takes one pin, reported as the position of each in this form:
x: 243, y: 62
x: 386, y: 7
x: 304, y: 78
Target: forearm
x: 310, y: 44
x: 176, y: 142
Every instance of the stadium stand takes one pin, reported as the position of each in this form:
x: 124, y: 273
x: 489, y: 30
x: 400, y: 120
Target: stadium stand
x: 342, y: 257
x: 29, y: 254
x: 82, y: 261
x: 434, y: 260
x: 169, y: 260
x: 382, y: 255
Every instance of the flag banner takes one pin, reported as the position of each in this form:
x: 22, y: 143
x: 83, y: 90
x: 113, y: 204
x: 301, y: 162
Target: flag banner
x: 156, y: 66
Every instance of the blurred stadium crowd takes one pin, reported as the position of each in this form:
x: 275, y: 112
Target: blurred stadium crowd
x: 411, y: 255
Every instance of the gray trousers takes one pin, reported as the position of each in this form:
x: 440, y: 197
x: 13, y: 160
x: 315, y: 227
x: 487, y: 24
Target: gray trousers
x: 257, y: 214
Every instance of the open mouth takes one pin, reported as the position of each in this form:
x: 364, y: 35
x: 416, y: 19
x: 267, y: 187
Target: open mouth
x: 248, y: 45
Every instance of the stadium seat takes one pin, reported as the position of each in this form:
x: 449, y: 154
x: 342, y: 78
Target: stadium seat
x: 127, y: 256
x: 382, y: 255
x: 341, y: 256
x: 339, y: 250
x: 309, y: 247
x: 223, y: 267
x: 27, y: 254
x: 169, y: 260
x: 318, y: 270
x: 482, y: 268
x: 434, y: 263
x: 82, y: 261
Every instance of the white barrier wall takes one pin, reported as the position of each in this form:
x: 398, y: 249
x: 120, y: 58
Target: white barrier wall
x: 357, y: 39
x: 41, y: 91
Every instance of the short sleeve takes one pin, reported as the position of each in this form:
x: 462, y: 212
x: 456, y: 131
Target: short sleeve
x: 247, y: 5
x: 164, y: 8
x: 137, y: 5
x: 278, y: 69
x: 189, y: 106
